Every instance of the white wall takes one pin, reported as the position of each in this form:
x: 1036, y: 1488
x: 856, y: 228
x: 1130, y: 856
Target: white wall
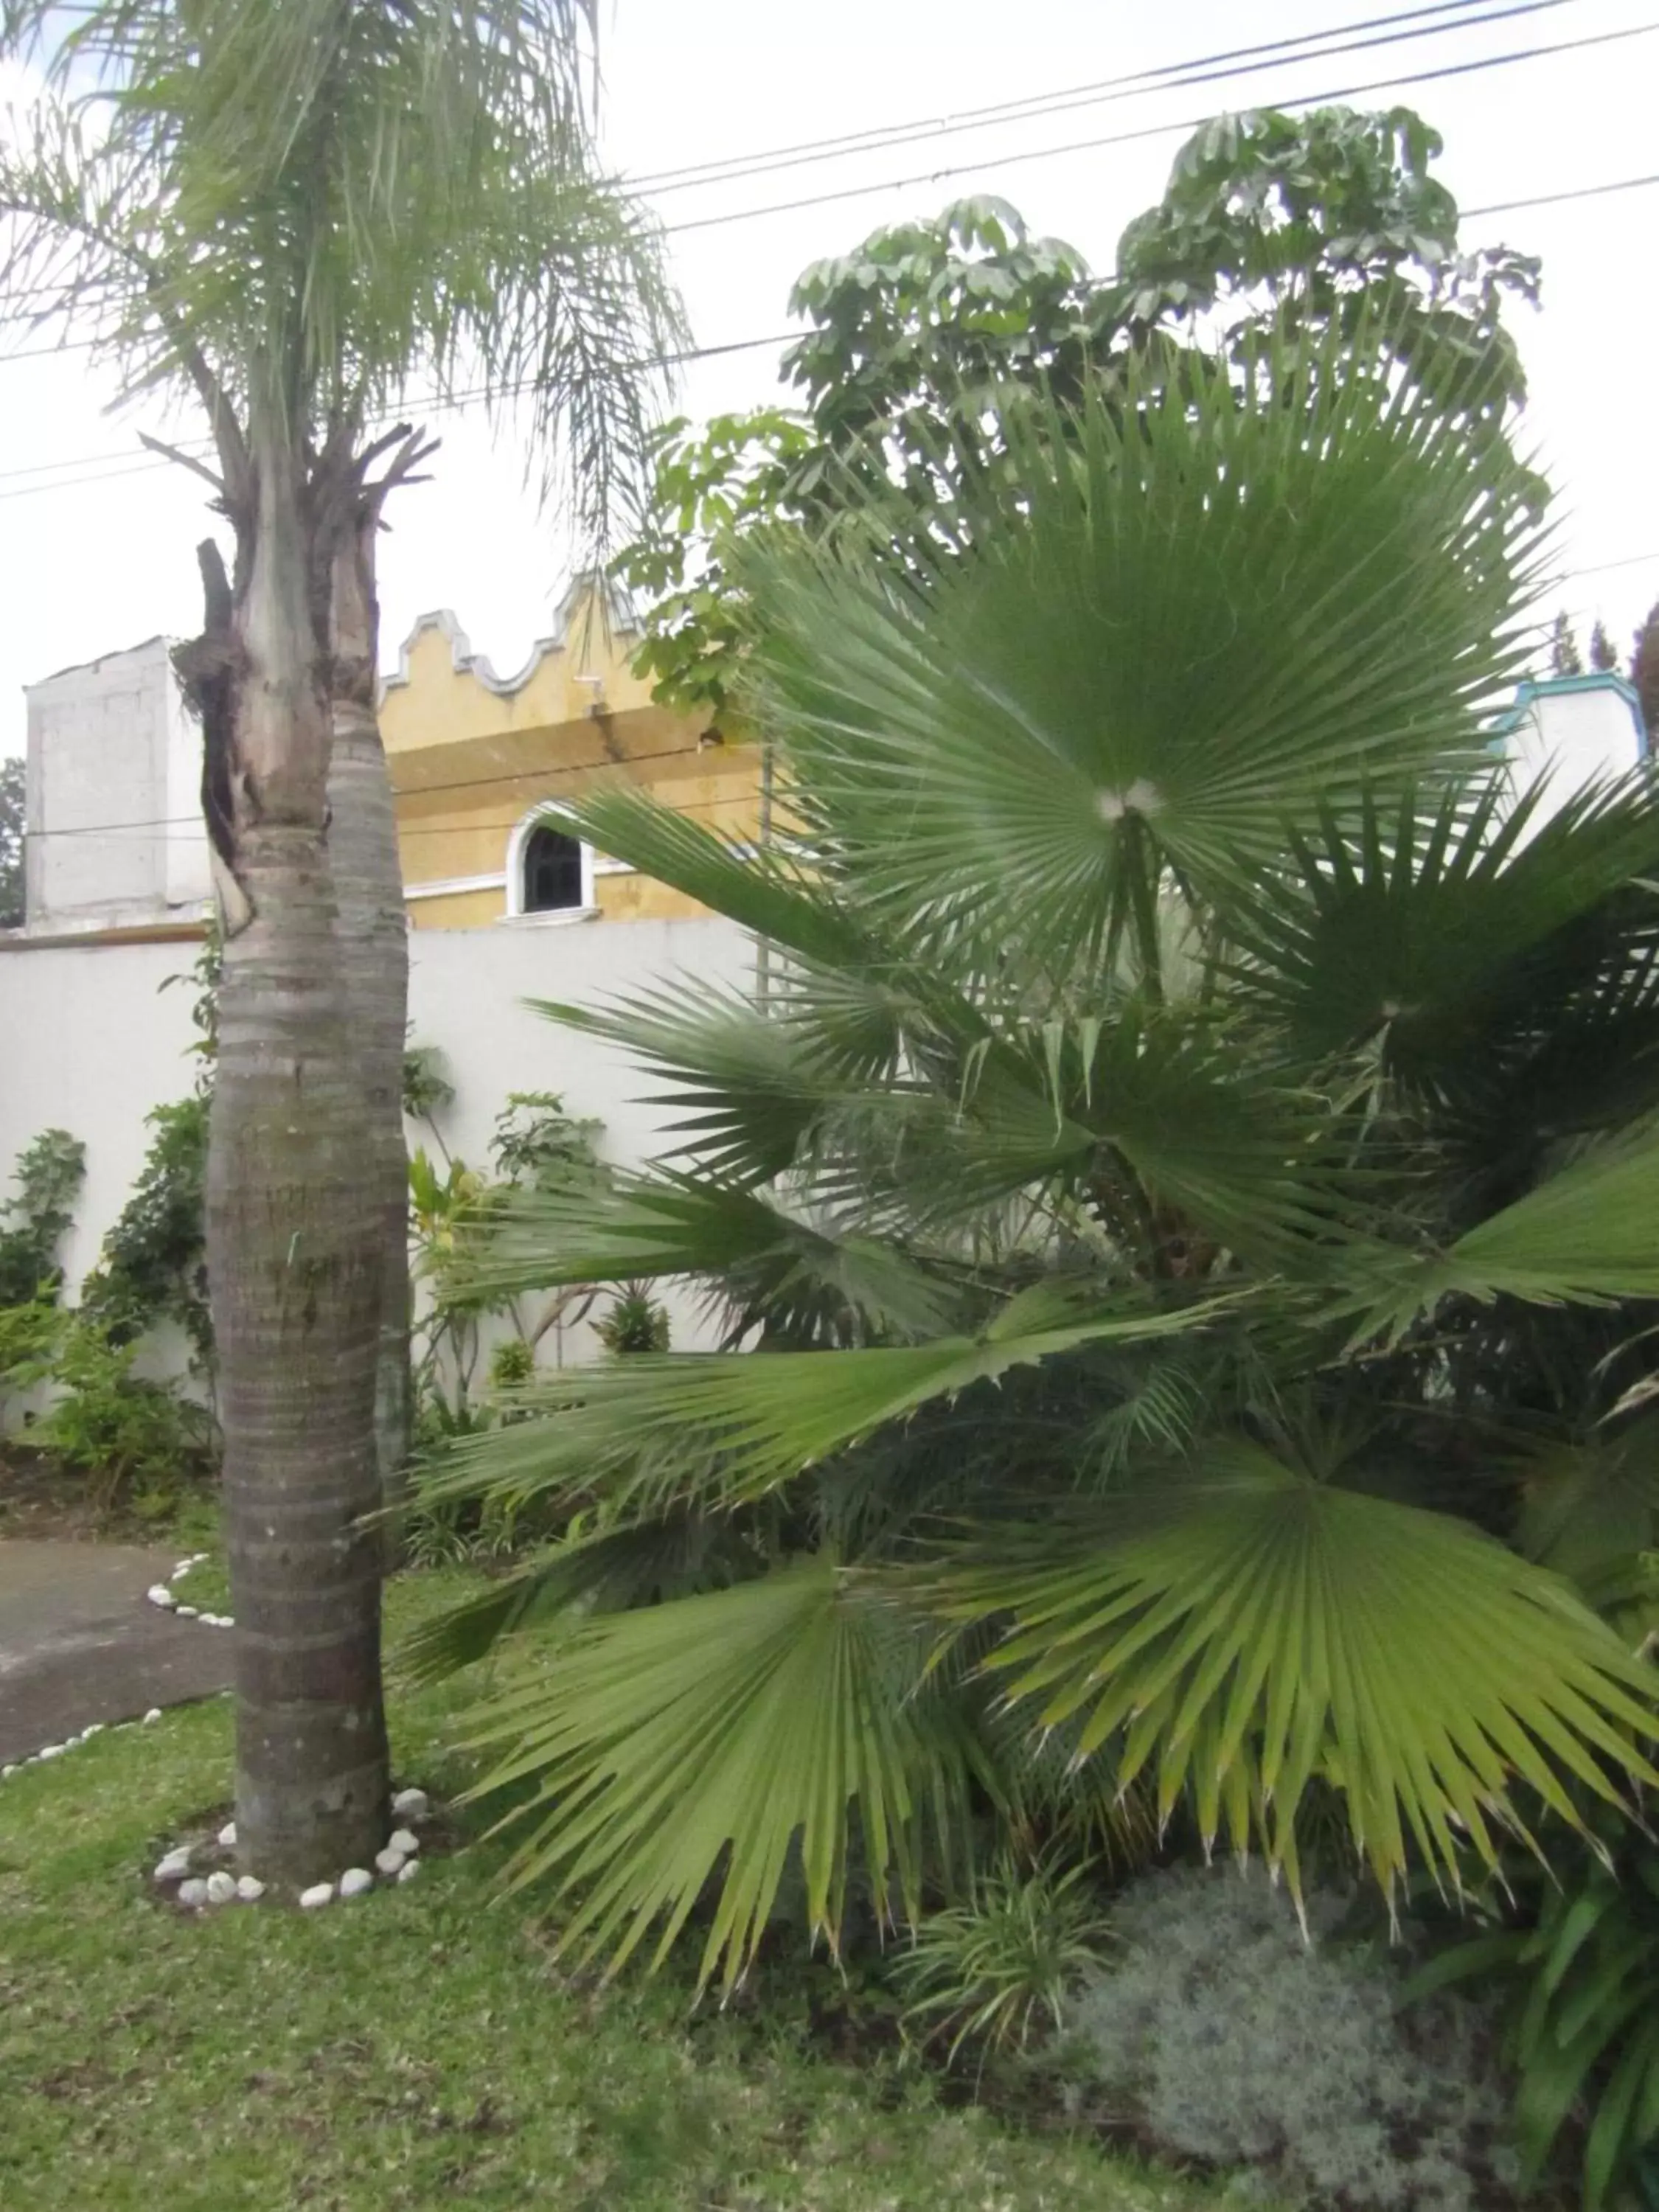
x: 467, y: 990
x: 89, y: 1043
x: 1582, y: 729
x: 113, y: 798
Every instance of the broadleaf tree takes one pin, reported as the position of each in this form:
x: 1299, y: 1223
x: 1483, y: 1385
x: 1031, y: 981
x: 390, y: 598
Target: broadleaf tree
x: 1327, y: 220
x: 291, y: 219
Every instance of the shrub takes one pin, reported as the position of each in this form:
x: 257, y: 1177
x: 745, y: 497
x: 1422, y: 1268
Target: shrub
x: 48, y: 1172
x: 1578, y: 1962
x: 130, y: 1435
x: 29, y: 1337
x: 1002, y: 1965
x: 1221, y: 2033
x: 635, y: 1322
x: 153, y: 1263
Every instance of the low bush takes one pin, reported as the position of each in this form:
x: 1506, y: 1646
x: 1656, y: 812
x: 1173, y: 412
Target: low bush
x: 1220, y: 2033
x: 1000, y: 1967
x: 47, y: 1176
x: 136, y: 1440
x: 1574, y: 1953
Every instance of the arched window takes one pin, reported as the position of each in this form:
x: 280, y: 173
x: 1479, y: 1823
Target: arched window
x: 552, y: 873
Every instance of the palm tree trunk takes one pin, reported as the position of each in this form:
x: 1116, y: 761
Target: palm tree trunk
x: 374, y: 965
x: 293, y: 1221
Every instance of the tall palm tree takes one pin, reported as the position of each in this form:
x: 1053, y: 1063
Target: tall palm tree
x: 1181, y: 1200
x: 290, y: 214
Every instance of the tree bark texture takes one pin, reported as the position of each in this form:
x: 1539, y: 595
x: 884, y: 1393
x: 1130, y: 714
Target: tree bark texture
x: 373, y: 964
x: 294, y: 1218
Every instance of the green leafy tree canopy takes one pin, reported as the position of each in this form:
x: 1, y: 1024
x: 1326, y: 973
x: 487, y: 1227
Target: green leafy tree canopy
x: 1272, y: 226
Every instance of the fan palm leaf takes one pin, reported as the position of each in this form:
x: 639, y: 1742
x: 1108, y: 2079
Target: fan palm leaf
x: 1250, y: 1628
x: 800, y: 1693
x: 1590, y: 1233
x: 1143, y: 669
x: 750, y: 1423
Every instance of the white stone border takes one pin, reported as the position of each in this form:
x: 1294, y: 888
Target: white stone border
x: 72, y: 1742
x: 396, y: 1861
x: 160, y: 1594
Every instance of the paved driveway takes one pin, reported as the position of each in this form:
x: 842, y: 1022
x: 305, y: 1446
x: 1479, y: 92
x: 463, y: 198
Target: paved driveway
x: 79, y: 1643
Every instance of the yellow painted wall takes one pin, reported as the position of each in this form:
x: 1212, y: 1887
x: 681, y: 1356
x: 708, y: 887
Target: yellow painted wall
x: 471, y: 755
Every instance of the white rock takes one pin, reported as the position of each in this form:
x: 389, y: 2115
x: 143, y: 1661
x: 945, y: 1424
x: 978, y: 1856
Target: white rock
x: 355, y: 1881
x: 222, y: 1888
x: 51, y: 1750
x: 390, y: 1862
x: 159, y: 1593
x: 413, y: 1804
x: 198, y: 1559
x: 227, y: 1620
x: 6, y: 1773
x: 228, y: 1835
x: 404, y: 1840
x: 408, y: 1873
x: 320, y: 1893
x: 154, y: 1714
x: 183, y: 1568
x: 92, y: 1729
x: 249, y: 1889
x: 186, y: 1612
x: 193, y: 1891
x: 173, y: 1864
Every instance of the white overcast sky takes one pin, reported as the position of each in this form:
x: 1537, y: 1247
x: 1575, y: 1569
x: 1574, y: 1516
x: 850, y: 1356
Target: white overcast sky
x: 87, y: 568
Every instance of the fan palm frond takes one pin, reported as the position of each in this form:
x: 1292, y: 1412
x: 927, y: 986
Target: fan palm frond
x: 735, y: 1427
x: 1251, y: 1629
x: 1149, y: 667
x: 712, y: 1739
x: 1590, y: 1234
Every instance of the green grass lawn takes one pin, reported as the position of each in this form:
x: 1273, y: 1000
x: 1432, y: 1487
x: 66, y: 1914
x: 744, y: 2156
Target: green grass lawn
x: 418, y: 2048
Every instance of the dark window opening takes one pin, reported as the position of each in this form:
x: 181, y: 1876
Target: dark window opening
x: 552, y: 871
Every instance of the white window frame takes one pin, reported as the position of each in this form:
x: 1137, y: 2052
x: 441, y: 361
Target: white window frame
x: 548, y: 917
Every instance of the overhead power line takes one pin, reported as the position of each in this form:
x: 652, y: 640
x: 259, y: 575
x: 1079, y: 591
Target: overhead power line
x: 193, y: 821
x: 1154, y: 130
x: 117, y: 467
x: 1172, y: 76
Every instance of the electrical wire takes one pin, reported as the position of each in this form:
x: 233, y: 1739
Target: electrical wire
x: 1176, y: 76
x: 419, y: 790
x: 1151, y: 131
x: 458, y: 401
x: 1171, y: 76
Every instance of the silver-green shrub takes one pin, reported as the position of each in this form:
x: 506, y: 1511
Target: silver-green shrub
x: 1221, y: 2033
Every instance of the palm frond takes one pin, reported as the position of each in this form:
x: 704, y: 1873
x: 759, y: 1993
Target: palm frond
x: 637, y: 1227
x: 333, y: 201
x: 1589, y: 1234
x: 798, y: 1698
x: 1251, y: 1629
x: 1475, y: 939
x: 735, y: 1426
x: 1589, y: 1510
x: 1211, y: 615
x: 603, y: 1570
